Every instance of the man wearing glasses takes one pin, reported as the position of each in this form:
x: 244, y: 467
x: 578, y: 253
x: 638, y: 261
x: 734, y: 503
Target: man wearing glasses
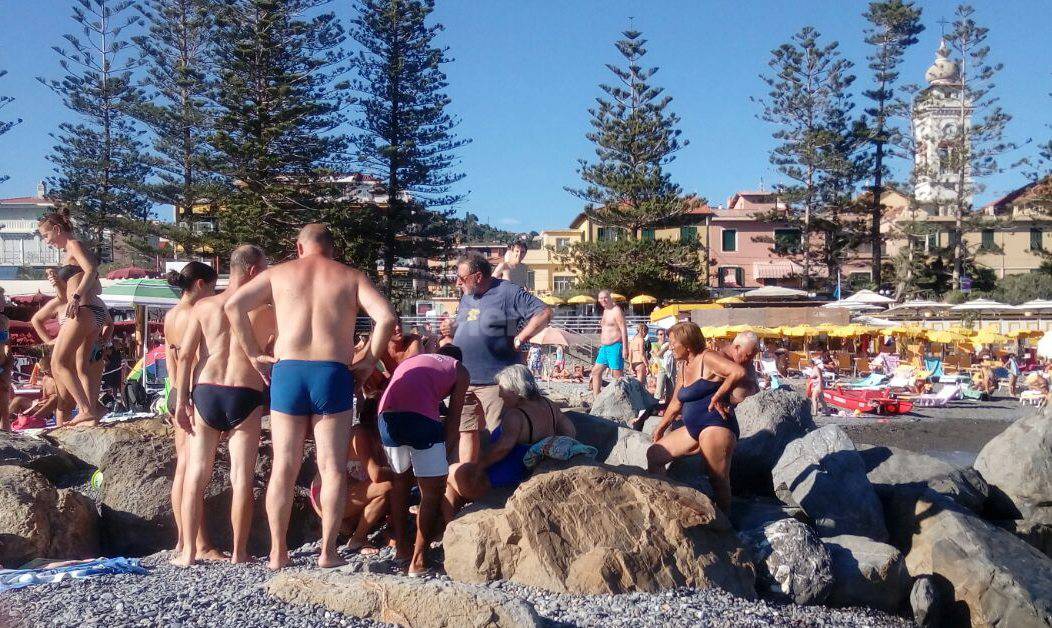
x: 493, y: 319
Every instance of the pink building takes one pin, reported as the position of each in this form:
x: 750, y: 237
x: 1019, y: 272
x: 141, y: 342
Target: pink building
x: 746, y: 239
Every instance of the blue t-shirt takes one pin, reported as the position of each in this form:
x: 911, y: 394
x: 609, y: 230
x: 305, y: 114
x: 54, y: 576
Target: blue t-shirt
x: 487, y: 325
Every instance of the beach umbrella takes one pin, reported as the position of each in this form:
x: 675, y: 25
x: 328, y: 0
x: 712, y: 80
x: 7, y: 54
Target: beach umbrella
x: 946, y: 337
x: 774, y: 292
x: 1044, y: 346
x: 675, y: 309
x: 618, y: 297
x: 551, y: 300
x: 919, y: 304
x: 642, y: 299
x: 553, y: 336
x: 131, y: 272
x: 854, y: 306
x: 37, y: 299
x: 140, y: 292
x: 870, y: 297
x: 581, y: 299
x: 729, y: 300
x: 1025, y: 333
x: 1036, y: 304
x: 982, y: 305
x: 987, y: 337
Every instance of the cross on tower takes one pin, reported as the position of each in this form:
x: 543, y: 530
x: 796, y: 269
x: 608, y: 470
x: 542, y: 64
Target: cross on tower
x: 942, y: 24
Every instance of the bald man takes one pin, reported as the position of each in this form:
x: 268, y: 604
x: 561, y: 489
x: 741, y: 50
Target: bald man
x: 743, y: 350
x: 316, y: 303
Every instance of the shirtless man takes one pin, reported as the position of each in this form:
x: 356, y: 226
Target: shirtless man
x: 316, y: 303
x: 228, y: 398
x: 512, y: 269
x: 400, y: 348
x: 613, y: 338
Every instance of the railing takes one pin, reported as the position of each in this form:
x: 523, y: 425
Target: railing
x: 575, y: 324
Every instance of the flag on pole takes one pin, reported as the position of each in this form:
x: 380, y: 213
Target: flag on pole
x: 836, y: 293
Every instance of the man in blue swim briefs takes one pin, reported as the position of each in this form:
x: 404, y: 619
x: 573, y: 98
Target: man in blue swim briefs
x: 316, y: 303
x: 613, y: 340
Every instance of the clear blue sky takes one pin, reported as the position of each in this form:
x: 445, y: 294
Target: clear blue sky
x: 527, y: 70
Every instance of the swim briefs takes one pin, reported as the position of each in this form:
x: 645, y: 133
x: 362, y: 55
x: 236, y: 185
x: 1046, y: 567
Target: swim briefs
x: 311, y: 387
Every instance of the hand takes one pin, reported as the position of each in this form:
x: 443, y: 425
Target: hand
x: 363, y: 369
x: 659, y: 431
x: 720, y: 407
x: 184, y: 416
x: 72, y: 308
x: 517, y: 343
x: 263, y: 364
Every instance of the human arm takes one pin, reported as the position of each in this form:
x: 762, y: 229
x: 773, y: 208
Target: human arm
x: 622, y: 326
x: 527, y: 305
x: 379, y: 309
x: 731, y: 372
x: 48, y: 311
x: 674, y: 408
x: 563, y: 425
x: 89, y: 283
x: 511, y: 425
x: 255, y: 294
x: 188, y: 349
x: 367, y: 453
x: 457, y: 398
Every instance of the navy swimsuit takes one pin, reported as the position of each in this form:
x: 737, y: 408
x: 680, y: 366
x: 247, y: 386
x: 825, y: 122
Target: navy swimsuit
x: 696, y: 415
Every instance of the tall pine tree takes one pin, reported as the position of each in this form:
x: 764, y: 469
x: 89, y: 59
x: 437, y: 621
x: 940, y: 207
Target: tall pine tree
x: 809, y: 104
x: 277, y: 103
x: 893, y: 27
x: 405, y: 134
x: 6, y: 125
x: 100, y: 169
x: 177, y: 48
x: 635, y: 138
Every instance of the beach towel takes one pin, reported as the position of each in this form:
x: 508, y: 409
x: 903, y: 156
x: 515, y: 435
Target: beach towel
x: 19, y: 578
x: 556, y: 448
x: 873, y: 380
x: 934, y: 367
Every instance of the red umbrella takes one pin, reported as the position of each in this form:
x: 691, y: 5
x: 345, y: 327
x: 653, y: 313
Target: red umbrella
x: 37, y: 299
x: 131, y: 272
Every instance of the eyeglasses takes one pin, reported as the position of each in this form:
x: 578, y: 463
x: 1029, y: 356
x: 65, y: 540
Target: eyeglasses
x: 464, y: 278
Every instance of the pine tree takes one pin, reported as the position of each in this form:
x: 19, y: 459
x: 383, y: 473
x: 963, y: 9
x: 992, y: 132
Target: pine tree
x: 6, y: 125
x: 99, y: 165
x: 405, y: 134
x: 635, y: 139
x: 975, y: 146
x: 177, y: 48
x: 810, y: 104
x: 277, y: 103
x: 894, y: 26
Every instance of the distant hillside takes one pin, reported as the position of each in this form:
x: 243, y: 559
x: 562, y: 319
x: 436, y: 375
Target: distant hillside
x: 469, y: 229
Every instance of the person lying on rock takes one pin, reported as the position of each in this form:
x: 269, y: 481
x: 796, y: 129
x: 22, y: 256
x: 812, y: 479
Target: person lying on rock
x: 369, y: 482
x: 710, y: 384
x: 415, y: 439
x: 527, y: 418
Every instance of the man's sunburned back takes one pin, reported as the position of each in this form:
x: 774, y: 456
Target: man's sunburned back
x: 610, y: 326
x: 222, y: 360
x: 315, y: 305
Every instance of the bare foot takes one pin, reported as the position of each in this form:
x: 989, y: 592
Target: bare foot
x: 328, y: 562
x: 365, y: 548
x: 88, y: 423
x: 182, y: 561
x: 236, y: 558
x: 278, y: 561
x: 212, y: 555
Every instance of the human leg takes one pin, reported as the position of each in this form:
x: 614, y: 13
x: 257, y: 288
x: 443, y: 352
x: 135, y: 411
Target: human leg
x: 676, y: 444
x: 200, y: 451
x: 244, y: 450
x: 717, y: 446
x: 287, y: 433
x: 431, y: 490
x: 64, y: 366
x: 332, y: 432
x: 369, y: 502
x: 597, y: 379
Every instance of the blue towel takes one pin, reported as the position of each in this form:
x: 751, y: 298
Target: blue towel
x: 19, y: 578
x: 556, y: 448
x: 934, y: 367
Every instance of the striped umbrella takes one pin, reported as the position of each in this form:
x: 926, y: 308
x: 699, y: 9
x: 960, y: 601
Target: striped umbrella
x: 155, y: 292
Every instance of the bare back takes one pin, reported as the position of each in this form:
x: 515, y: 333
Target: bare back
x: 222, y: 359
x: 175, y: 322
x: 610, y: 326
x: 316, y: 306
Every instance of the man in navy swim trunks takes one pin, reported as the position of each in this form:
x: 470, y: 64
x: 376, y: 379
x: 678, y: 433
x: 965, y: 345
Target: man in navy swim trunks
x: 613, y: 341
x: 316, y: 302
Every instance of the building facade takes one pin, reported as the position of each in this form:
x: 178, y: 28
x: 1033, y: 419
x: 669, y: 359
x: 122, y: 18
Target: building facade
x: 22, y: 250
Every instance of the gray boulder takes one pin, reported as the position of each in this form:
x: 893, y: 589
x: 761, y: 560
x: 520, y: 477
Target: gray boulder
x: 92, y: 445
x: 867, y: 573
x: 756, y: 512
x: 891, y: 468
x: 38, y: 521
x: 790, y: 561
x: 622, y: 400
x: 769, y: 420
x: 36, y: 454
x: 826, y: 477
x: 927, y: 602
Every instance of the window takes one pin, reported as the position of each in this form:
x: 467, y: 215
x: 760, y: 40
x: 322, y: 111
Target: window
x: 988, y: 239
x: 204, y: 226
x: 731, y: 276
x: 649, y: 234
x: 1035, y: 240
x: 562, y: 284
x: 561, y: 244
x: 608, y: 233
x: 531, y: 280
x: 951, y: 239
x: 786, y: 241
x: 730, y: 240
x: 688, y: 234
x: 931, y: 241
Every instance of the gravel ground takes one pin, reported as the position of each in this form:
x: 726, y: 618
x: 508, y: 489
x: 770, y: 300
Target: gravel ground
x: 221, y: 594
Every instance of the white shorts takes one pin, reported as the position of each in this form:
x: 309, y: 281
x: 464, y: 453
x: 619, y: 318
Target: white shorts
x: 426, y: 463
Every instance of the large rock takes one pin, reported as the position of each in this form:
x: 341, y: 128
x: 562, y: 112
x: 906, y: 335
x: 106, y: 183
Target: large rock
x: 618, y: 445
x: 996, y: 578
x: 791, y: 560
x: 867, y: 573
x: 37, y: 521
x: 36, y: 454
x: 622, y: 400
x: 403, y: 601
x: 827, y: 478
x: 769, y: 420
x: 92, y: 445
x: 890, y: 469
x: 591, y: 529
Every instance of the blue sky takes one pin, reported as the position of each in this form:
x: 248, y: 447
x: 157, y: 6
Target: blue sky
x: 526, y: 71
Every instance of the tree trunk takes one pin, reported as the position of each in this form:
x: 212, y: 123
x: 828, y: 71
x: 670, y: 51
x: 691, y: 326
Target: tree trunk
x: 876, y: 213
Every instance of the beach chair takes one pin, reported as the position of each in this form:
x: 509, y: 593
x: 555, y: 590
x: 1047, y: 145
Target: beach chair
x: 904, y: 377
x: 871, y: 381
x: 843, y: 363
x: 861, y: 366
x: 934, y: 368
x: 1032, y: 398
x: 941, y: 398
x: 891, y: 363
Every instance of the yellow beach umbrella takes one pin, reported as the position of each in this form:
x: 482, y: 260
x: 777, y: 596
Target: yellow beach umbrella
x: 1025, y: 333
x: 946, y: 337
x: 618, y: 297
x: 642, y: 299
x: 581, y: 299
x: 552, y: 300
x: 675, y: 309
x: 727, y: 300
x: 987, y: 337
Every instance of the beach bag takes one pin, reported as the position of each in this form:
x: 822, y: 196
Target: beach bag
x: 135, y: 397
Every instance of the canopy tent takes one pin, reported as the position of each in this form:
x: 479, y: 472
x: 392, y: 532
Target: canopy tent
x: 675, y: 309
x: 642, y: 299
x: 983, y: 305
x: 581, y: 299
x: 775, y: 292
x: 870, y: 297
x: 130, y: 292
x: 551, y: 300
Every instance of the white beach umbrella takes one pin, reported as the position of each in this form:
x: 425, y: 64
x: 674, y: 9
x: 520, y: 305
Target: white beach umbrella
x: 1036, y: 304
x: 774, y: 292
x: 918, y: 304
x: 870, y: 297
x: 1044, y: 346
x: 854, y: 306
x: 983, y: 305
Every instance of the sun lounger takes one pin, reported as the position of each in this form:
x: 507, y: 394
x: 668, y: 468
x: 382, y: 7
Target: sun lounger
x: 1032, y: 398
x: 873, y: 380
x: 904, y: 377
x: 941, y: 398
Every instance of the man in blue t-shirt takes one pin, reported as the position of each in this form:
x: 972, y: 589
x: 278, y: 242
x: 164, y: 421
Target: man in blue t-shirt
x: 494, y: 317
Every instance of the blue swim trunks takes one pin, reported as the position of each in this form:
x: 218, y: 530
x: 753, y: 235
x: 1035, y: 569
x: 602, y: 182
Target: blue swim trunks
x: 612, y: 356
x: 306, y: 387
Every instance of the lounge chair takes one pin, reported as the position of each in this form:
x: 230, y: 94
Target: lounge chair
x: 934, y: 368
x: 1032, y: 398
x: 873, y: 380
x: 941, y: 398
x: 904, y: 377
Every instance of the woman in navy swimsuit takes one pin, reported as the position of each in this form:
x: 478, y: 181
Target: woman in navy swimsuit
x: 709, y: 426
